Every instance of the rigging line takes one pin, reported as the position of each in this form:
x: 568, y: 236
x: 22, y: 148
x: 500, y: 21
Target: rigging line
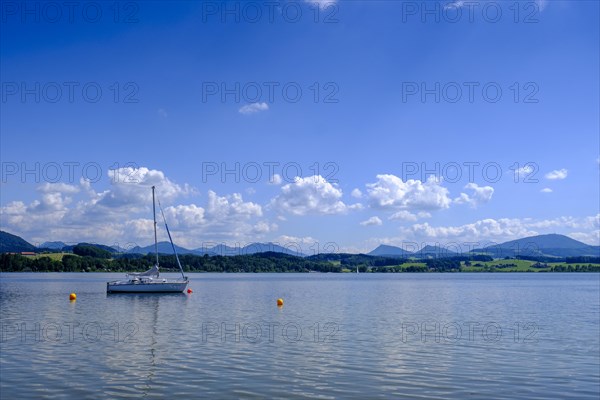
x: 171, y: 239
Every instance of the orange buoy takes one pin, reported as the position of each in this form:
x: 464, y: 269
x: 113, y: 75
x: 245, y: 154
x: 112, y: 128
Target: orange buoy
x: 72, y: 296
x: 279, y: 302
x: 190, y: 290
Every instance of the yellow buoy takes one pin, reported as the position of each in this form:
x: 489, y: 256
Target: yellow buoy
x: 279, y: 302
x: 72, y: 296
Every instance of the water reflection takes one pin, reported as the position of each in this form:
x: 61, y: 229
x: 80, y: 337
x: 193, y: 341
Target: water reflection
x: 156, y: 345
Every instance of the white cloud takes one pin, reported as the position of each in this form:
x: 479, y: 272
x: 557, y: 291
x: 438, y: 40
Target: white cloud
x: 263, y: 227
x: 130, y: 188
x: 542, y: 4
x: 557, y: 174
x: 373, y: 221
x: 404, y: 215
x: 454, y: 4
x: 185, y: 216
x: 391, y: 192
x: 226, y: 206
x: 222, y: 219
x: 321, y: 3
x: 356, y: 193
x: 482, y: 229
x: 253, y: 108
x: 546, y: 190
x: 310, y: 195
x: 121, y: 213
x: 479, y: 195
x: 504, y: 229
x: 58, y: 188
x: 355, y: 206
x: 524, y: 170
x: 304, y: 242
x: 592, y: 238
x: 275, y: 180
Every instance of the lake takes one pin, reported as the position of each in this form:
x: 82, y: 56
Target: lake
x: 480, y: 336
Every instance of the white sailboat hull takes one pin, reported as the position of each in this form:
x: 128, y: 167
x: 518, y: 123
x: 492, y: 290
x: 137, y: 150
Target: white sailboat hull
x: 145, y: 287
x: 149, y: 281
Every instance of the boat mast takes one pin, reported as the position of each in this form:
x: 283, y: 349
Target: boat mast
x: 171, y: 240
x: 154, y: 216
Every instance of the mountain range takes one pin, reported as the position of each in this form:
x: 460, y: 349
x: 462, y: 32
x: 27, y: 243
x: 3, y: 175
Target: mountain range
x: 551, y: 245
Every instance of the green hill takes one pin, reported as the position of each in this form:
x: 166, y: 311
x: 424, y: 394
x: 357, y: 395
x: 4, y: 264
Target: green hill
x: 10, y: 243
x: 552, y: 245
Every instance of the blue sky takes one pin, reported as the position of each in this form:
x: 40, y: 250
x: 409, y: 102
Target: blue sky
x: 332, y: 125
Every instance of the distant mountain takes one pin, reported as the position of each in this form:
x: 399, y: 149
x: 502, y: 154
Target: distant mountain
x: 435, y: 252
x: 552, y: 245
x: 52, y: 245
x: 390, y: 251
x: 163, y: 247
x: 219, y: 250
x: 10, y: 243
x: 254, y: 248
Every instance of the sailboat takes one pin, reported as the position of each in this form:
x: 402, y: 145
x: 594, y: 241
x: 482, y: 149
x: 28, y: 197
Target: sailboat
x: 150, y: 281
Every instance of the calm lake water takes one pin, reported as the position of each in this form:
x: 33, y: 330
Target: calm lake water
x: 480, y: 336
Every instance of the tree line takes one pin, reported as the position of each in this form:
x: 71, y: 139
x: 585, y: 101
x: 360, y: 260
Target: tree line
x: 90, y: 259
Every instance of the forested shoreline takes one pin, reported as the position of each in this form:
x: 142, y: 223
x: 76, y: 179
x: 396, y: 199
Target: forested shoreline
x: 278, y: 262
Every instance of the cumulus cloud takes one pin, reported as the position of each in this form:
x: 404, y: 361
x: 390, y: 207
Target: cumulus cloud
x: 542, y: 4
x: 390, y: 192
x: 275, y: 180
x: 454, y: 4
x: 373, y: 221
x: 310, y: 195
x: 223, y: 206
x: 253, y: 108
x: 304, y: 241
x: 58, y: 187
x: 263, y: 227
x: 546, y: 190
x: 122, y: 213
x: 222, y: 219
x: 486, y: 228
x: 479, y: 195
x: 557, y: 174
x: 356, y: 193
x: 404, y: 215
x: 130, y: 188
x: 504, y: 229
x: 321, y: 3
